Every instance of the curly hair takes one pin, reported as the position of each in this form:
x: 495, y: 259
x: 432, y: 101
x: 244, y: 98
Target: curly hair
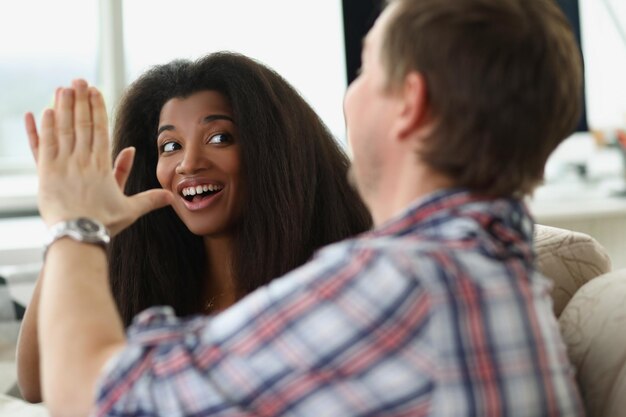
x: 310, y: 203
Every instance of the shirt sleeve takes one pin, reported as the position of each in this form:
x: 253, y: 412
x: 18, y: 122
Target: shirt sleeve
x: 317, y: 341
x: 163, y: 370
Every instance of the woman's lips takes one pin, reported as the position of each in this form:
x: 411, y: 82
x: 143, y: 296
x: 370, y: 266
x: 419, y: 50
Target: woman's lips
x: 203, y: 201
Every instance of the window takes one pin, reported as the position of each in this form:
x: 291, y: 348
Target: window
x: 111, y: 42
x: 44, y: 45
x: 604, y: 46
x: 579, y: 162
x: 301, y: 40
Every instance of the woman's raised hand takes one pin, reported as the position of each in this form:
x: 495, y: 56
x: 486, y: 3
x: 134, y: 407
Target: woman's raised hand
x: 76, y: 178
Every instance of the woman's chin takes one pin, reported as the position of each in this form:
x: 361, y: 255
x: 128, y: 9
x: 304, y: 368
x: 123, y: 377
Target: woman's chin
x: 209, y: 231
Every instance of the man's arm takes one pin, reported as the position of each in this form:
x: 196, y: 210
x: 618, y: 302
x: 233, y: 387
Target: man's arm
x: 28, y: 363
x: 79, y: 323
x: 79, y: 327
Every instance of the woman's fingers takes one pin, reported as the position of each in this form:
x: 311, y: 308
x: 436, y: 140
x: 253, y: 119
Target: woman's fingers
x: 83, y: 125
x: 64, y: 120
x: 123, y: 165
x: 48, y: 141
x: 31, y: 132
x: 100, y: 129
x: 74, y: 163
x: 57, y: 96
x: 150, y: 200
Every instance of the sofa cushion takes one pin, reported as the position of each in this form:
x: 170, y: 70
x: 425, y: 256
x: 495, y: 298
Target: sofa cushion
x: 593, y: 325
x: 569, y: 259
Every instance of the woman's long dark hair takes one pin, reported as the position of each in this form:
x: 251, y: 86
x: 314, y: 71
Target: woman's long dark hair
x: 297, y: 193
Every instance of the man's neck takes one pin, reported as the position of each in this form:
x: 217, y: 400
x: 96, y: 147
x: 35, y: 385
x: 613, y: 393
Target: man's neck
x: 403, y: 185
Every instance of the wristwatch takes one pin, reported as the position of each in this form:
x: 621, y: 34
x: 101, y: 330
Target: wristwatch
x: 81, y: 229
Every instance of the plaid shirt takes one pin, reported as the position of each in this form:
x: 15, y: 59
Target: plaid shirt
x: 439, y: 312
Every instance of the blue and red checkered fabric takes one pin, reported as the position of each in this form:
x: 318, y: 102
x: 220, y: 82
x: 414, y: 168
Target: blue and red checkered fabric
x: 439, y: 312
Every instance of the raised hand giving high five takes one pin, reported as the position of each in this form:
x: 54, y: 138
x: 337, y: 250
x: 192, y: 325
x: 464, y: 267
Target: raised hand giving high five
x: 76, y: 178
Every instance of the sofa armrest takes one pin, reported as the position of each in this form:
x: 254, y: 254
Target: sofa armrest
x: 592, y: 325
x: 569, y: 259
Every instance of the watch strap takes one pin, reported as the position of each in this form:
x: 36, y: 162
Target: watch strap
x: 81, y: 229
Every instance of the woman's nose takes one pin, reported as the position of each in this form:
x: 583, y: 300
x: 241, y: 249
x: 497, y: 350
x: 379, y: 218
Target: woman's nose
x: 193, y: 161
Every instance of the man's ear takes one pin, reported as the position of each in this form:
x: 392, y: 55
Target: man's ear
x: 413, y: 105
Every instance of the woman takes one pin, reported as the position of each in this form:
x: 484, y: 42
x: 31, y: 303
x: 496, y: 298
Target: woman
x: 259, y: 181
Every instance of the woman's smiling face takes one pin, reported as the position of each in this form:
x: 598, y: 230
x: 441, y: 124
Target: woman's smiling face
x: 200, y: 162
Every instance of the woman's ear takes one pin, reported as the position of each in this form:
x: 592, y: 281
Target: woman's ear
x: 413, y: 106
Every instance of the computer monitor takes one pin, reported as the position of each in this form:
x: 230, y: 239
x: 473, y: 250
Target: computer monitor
x: 571, y: 10
x: 359, y: 16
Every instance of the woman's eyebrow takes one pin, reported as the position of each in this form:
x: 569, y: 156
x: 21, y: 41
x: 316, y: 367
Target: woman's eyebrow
x: 214, y: 117
x: 206, y: 120
x: 164, y: 128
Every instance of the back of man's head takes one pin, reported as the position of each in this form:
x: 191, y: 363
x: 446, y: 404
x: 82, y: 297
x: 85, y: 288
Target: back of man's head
x: 504, y: 80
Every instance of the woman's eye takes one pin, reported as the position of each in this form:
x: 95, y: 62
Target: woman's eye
x: 220, y: 138
x: 169, y: 147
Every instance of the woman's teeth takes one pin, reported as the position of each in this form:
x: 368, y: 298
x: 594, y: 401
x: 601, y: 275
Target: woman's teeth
x: 199, y: 189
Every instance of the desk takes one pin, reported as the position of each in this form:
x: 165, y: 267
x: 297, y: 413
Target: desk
x: 18, y: 193
x: 21, y: 240
x: 587, y: 207
x: 21, y: 254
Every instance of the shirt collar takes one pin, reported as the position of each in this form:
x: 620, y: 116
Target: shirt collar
x: 444, y: 204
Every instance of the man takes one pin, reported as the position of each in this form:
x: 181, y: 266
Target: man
x: 437, y: 312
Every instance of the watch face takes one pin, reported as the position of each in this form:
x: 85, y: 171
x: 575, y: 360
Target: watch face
x: 80, y: 229
x: 87, y: 225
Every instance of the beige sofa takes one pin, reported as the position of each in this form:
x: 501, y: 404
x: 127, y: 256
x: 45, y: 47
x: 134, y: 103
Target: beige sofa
x: 570, y: 259
x: 590, y: 303
x: 593, y: 325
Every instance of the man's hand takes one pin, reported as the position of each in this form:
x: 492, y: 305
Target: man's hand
x: 76, y: 178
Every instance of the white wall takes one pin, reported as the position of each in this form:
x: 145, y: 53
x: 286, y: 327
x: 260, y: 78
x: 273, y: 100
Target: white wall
x: 605, y: 59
